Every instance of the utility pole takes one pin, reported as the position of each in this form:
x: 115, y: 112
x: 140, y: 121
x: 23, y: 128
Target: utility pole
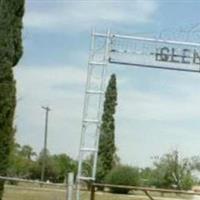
x: 44, y: 156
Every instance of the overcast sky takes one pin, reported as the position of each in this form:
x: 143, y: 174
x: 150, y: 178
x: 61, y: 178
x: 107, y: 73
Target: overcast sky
x: 158, y: 111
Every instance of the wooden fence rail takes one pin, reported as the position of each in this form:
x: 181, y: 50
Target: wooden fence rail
x: 146, y: 190
x: 15, y: 179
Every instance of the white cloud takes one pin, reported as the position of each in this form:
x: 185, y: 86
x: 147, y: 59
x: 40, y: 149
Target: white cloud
x: 52, y: 76
x: 61, y: 88
x: 150, y: 124
x: 155, y: 120
x: 146, y: 106
x: 83, y: 14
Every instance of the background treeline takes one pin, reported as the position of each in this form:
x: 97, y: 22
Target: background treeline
x: 167, y: 171
x: 25, y: 163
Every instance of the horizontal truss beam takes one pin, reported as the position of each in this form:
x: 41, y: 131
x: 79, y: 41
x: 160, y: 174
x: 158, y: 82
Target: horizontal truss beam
x: 152, y: 66
x: 145, y: 39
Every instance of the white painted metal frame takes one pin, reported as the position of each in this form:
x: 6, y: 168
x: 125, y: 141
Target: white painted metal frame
x: 101, y: 63
x: 145, y: 39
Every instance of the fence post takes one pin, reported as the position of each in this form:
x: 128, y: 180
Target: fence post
x: 70, y: 184
x: 92, y: 194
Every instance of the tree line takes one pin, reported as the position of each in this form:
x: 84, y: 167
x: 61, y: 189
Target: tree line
x: 168, y: 171
x: 27, y: 164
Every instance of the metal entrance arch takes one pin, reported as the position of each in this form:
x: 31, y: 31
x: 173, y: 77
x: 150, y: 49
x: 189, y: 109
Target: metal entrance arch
x: 125, y: 50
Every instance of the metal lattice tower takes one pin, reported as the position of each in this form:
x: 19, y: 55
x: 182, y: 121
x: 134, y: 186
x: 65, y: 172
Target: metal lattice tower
x: 92, y: 111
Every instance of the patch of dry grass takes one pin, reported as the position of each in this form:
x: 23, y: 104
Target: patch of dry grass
x: 31, y: 193
x: 21, y: 192
x: 24, y: 193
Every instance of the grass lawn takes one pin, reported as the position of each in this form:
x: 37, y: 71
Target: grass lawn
x: 27, y: 193
x: 35, y: 193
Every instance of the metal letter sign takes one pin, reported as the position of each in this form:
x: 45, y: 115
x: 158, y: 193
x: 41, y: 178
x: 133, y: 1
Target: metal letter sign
x: 183, y: 56
x: 152, y: 53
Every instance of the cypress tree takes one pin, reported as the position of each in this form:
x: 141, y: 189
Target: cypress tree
x: 107, y: 149
x: 11, y: 14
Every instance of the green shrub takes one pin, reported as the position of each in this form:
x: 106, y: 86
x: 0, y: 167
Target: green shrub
x: 123, y: 175
x: 172, y: 172
x: 187, y: 181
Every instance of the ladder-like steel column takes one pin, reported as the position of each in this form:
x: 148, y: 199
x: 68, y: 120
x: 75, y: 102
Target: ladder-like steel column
x: 92, y: 111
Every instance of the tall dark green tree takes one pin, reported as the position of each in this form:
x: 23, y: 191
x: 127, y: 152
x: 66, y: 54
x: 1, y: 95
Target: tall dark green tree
x: 107, y: 149
x: 11, y: 14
